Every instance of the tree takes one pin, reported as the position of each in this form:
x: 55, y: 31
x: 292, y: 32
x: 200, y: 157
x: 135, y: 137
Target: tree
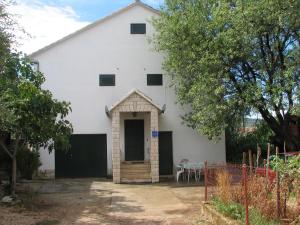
x: 29, y: 113
x: 7, y: 26
x: 238, y: 141
x: 228, y: 57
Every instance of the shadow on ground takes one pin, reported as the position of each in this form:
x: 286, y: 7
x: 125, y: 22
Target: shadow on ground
x: 99, y: 201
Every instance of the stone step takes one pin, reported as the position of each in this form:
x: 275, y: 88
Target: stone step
x: 136, y: 172
x: 136, y: 177
x: 133, y: 163
x: 135, y: 167
x: 125, y: 180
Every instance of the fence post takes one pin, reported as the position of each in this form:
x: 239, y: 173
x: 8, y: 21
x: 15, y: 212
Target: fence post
x: 250, y: 161
x: 246, y: 194
x: 268, y: 164
x: 258, y: 155
x: 244, y: 157
x: 278, y: 188
x: 284, y: 207
x: 285, y: 194
x: 254, y: 160
x: 205, y: 179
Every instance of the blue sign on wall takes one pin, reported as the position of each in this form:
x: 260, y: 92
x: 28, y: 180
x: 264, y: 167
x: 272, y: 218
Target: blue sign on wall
x: 154, y: 133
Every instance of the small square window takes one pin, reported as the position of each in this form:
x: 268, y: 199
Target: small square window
x: 138, y: 28
x: 107, y: 80
x: 154, y: 80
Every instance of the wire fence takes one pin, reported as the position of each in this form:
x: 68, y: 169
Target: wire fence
x: 256, y: 187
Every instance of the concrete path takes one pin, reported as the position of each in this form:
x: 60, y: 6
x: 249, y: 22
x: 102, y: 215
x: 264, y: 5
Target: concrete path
x: 86, y: 201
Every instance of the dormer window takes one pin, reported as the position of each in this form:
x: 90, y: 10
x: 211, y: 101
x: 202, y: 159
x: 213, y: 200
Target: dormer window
x: 138, y: 28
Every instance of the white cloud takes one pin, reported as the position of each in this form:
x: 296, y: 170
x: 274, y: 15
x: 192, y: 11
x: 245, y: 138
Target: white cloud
x: 44, y: 23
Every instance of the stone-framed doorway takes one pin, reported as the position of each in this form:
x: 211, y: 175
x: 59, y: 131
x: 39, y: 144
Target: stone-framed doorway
x: 135, y: 102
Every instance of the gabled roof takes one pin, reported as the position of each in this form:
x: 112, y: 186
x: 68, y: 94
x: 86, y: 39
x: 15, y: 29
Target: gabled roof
x: 136, y: 3
x: 138, y: 92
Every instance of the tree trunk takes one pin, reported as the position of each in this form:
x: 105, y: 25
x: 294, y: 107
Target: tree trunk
x: 14, y: 176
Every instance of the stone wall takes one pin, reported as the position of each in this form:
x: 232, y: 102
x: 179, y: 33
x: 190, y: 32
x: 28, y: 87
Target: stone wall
x: 134, y: 103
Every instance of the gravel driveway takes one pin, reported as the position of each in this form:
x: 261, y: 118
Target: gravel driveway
x: 90, y: 201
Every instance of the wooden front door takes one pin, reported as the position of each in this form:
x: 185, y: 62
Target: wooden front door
x: 134, y: 140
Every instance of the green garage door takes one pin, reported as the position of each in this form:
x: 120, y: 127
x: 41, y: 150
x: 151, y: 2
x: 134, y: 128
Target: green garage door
x: 86, y: 158
x: 165, y: 153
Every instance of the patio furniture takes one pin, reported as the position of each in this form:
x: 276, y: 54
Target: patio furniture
x: 189, y: 169
x: 194, y: 168
x: 180, y: 171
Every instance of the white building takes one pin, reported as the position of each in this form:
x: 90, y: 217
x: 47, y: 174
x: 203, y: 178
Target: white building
x: 124, y: 112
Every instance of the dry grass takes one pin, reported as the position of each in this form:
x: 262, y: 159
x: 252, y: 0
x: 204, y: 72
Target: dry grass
x: 223, y: 186
x: 260, y: 196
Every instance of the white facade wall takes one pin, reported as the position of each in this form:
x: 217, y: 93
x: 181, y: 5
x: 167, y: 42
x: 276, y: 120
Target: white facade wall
x: 72, y: 70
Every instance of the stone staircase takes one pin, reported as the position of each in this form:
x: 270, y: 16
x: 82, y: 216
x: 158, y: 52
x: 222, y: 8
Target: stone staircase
x: 136, y: 172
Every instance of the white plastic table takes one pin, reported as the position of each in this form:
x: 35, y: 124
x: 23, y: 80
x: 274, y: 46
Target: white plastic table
x: 190, y: 167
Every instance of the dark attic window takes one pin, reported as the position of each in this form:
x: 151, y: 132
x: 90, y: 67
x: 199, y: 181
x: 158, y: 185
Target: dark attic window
x: 154, y: 80
x: 107, y: 80
x: 138, y: 28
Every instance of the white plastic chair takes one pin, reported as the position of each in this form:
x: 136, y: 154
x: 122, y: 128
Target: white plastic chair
x: 180, y: 169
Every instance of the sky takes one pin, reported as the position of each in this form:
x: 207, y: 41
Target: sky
x: 46, y: 21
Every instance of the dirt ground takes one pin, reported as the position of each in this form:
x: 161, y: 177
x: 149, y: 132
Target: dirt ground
x: 90, y: 201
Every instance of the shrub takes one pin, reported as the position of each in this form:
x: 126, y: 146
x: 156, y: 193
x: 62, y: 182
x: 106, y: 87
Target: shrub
x: 237, y: 211
x: 256, y: 218
x: 259, y: 196
x: 28, y: 162
x: 230, y: 209
x: 238, y: 142
x: 290, y: 173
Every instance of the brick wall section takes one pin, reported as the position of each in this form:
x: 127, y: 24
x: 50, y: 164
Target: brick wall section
x: 154, y: 156
x: 134, y: 103
x: 116, y: 154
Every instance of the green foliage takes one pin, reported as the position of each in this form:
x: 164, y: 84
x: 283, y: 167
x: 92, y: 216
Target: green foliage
x: 238, y: 142
x: 232, y: 210
x: 28, y: 162
x: 289, y: 172
x: 228, y: 57
x: 30, y: 114
x: 291, y: 167
x: 37, y: 119
x: 256, y: 218
x: 6, y: 33
x: 237, y: 211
